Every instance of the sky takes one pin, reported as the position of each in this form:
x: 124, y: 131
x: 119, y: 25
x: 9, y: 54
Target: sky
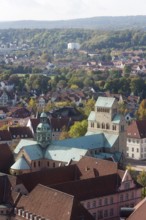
x: 11, y: 10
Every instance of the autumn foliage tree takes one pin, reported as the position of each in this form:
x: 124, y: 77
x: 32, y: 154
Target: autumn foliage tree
x: 141, y: 112
x: 78, y: 129
x: 142, y: 180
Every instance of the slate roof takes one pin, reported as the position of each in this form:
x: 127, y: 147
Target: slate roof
x: 53, y: 204
x: 106, y: 102
x: 137, y: 129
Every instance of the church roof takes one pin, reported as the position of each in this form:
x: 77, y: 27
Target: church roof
x: 106, y: 140
x: 106, y: 102
x: 22, y: 143
x: 34, y: 152
x: 117, y: 119
x: 20, y: 164
x: 91, y: 116
x: 64, y: 154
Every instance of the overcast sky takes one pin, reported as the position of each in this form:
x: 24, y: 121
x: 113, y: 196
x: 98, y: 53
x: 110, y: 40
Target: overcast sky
x: 68, y: 9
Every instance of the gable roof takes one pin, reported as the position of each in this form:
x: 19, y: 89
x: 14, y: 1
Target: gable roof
x: 6, y: 158
x: 90, y: 167
x: 7, y: 195
x: 139, y: 211
x: 52, y: 204
x: 5, y: 135
x: 91, y: 188
x: 137, y: 129
x: 48, y: 176
x: 20, y: 132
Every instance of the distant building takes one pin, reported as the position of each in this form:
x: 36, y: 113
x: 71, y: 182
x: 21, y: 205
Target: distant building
x: 136, y: 140
x: 73, y: 46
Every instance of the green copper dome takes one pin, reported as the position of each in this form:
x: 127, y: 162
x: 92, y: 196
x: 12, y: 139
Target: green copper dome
x: 43, y: 131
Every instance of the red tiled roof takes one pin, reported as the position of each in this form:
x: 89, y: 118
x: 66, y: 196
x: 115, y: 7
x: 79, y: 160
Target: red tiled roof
x: 56, y: 123
x: 52, y: 204
x: 48, y: 176
x: 91, y: 167
x: 140, y: 210
x: 137, y: 129
x: 7, y: 195
x: 91, y: 188
x: 5, y: 135
x: 20, y: 132
x: 6, y: 158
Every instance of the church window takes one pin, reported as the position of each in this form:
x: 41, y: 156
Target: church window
x: 53, y: 164
x: 34, y: 164
x: 114, y: 127
x: 39, y: 163
x: 107, y: 126
x: 92, y: 124
x: 98, y: 125
x: 103, y: 126
x: 48, y: 164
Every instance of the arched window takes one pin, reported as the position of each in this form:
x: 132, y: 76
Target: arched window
x: 98, y: 125
x: 114, y: 127
x: 103, y: 126
x: 107, y: 126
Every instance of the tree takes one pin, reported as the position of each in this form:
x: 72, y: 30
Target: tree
x: 89, y: 106
x: 64, y: 134
x: 141, y: 112
x: 78, y: 129
x: 142, y: 180
x: 32, y: 104
x: 137, y: 85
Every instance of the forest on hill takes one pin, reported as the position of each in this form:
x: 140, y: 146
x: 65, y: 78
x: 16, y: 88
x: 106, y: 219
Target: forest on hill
x: 57, y: 39
x: 100, y: 23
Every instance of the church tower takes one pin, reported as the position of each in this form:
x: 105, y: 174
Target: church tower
x: 43, y: 131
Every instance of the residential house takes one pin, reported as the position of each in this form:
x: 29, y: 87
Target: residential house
x: 47, y: 203
x: 4, y: 99
x: 5, y: 137
x: 138, y: 212
x: 100, y: 190
x: 136, y: 140
x: 57, y: 125
x: 6, y: 158
x: 17, y: 133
